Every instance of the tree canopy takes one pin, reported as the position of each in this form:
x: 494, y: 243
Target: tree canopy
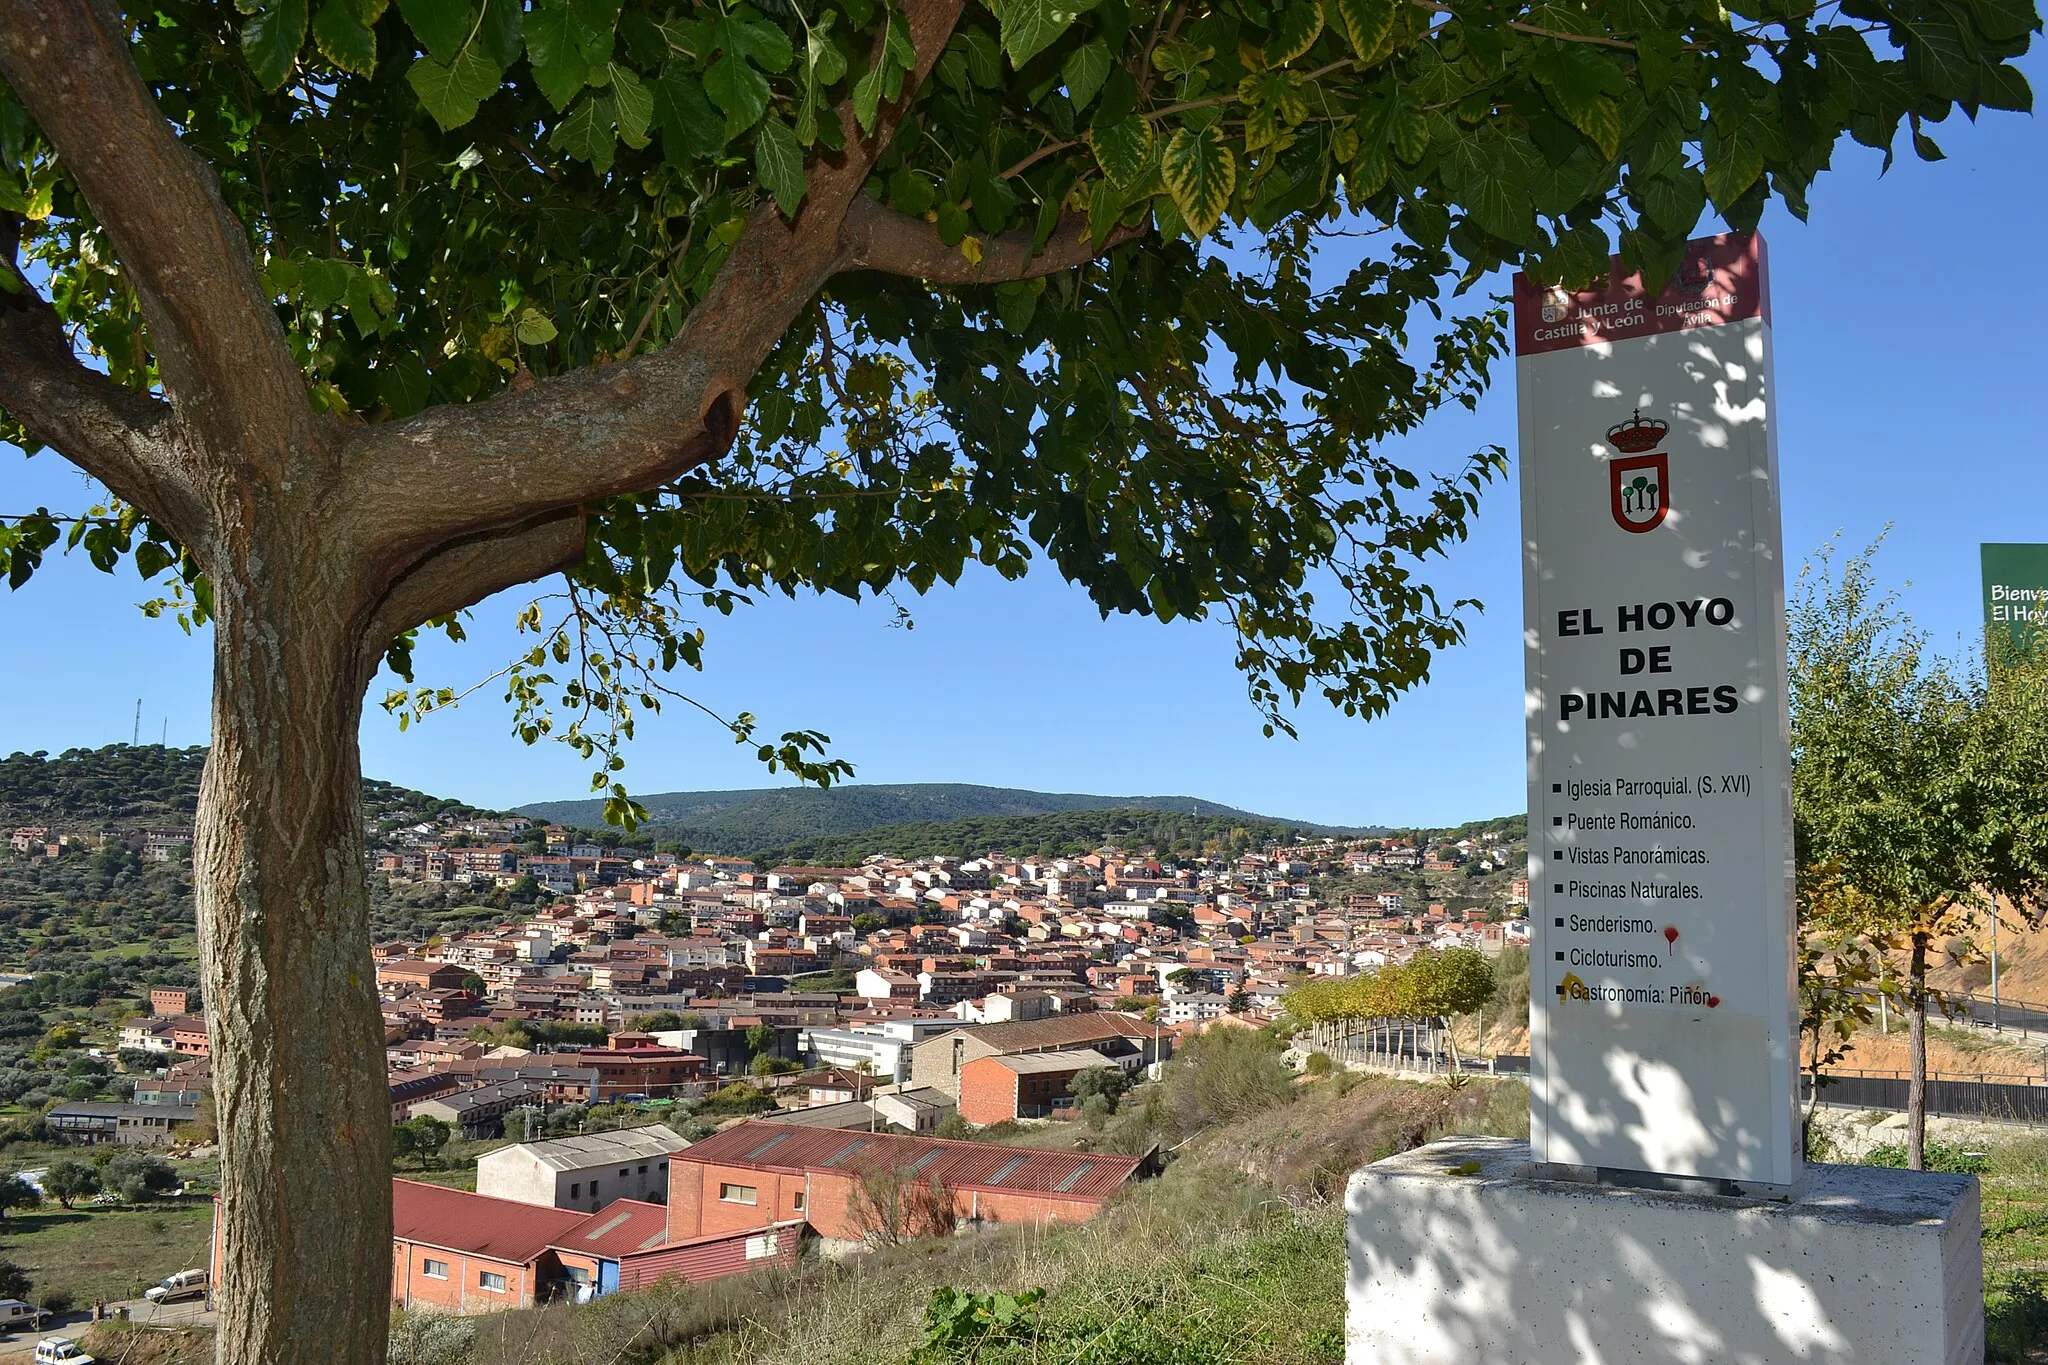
x: 1919, y: 797
x: 452, y: 200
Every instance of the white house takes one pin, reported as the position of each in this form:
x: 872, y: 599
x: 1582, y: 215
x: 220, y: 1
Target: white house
x: 584, y: 1173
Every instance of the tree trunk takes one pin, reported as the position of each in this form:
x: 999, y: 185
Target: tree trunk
x: 303, y: 1113
x: 1916, y: 1046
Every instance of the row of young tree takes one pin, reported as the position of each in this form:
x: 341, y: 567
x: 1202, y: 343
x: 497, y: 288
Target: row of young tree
x: 1920, y: 807
x: 1395, y: 1003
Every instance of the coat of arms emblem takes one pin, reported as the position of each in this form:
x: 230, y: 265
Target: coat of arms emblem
x: 1639, y: 485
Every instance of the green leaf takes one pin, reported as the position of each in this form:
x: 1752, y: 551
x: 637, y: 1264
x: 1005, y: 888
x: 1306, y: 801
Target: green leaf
x: 1583, y: 86
x: 442, y: 26
x: 1657, y: 56
x: 1105, y: 205
x: 1408, y: 130
x: 739, y: 90
x: 1294, y: 32
x: 910, y: 193
x: 534, y: 328
x: 1200, y: 173
x: 1087, y: 67
x: 271, y: 39
x: 1938, y: 56
x: 344, y: 39
x: 690, y: 127
x: 867, y: 96
x: 984, y: 58
x: 1121, y: 147
x: 953, y: 223
x: 1600, y: 121
x: 1367, y: 24
x: 452, y: 93
x: 766, y: 46
x: 779, y: 165
x: 1734, y: 161
x: 826, y: 62
x: 502, y: 31
x: 1029, y: 27
x: 556, y: 54
x: 588, y: 133
x: 596, y: 21
x: 1675, y: 199
x: 635, y: 105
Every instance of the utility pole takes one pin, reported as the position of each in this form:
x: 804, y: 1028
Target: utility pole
x: 136, y: 739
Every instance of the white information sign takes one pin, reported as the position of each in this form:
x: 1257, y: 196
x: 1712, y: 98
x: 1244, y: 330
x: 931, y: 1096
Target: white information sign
x: 1664, y: 1037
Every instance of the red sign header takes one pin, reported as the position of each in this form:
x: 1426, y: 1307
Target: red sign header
x: 1721, y: 279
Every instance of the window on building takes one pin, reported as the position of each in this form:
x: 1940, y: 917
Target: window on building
x: 576, y: 1190
x: 434, y: 1270
x: 491, y: 1280
x: 739, y: 1194
x: 643, y: 1170
x: 799, y: 1200
x: 763, y: 1246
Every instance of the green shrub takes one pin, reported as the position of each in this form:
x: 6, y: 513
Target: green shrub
x: 1939, y: 1155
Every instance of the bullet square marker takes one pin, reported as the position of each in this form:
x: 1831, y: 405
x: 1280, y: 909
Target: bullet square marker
x: 1557, y: 819
x: 1560, y: 921
x: 1556, y: 854
x: 1557, y: 887
x: 1557, y: 786
x: 1560, y: 990
x: 1560, y: 957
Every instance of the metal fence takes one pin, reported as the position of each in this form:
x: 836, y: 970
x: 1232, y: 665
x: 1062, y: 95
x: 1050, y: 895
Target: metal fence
x: 1986, y: 1097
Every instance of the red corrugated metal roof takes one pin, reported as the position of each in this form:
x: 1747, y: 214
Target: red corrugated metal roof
x: 618, y: 1229
x: 457, y: 1220
x: 714, y: 1257
x: 962, y: 1165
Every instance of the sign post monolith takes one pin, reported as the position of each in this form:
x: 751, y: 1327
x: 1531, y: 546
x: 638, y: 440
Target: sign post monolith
x: 1663, y: 1026
x: 1660, y: 1212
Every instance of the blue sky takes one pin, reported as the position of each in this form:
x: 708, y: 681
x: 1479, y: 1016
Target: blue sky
x: 1910, y: 361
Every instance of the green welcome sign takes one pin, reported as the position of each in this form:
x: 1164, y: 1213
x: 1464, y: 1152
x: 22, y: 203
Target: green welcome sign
x: 2016, y: 594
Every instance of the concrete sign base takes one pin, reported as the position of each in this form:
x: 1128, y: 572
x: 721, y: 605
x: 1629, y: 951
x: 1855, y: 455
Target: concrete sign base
x: 1459, y: 1257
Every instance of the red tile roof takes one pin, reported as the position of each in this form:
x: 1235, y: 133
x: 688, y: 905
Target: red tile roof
x: 457, y: 1220
x: 618, y: 1229
x: 1057, y: 1031
x: 962, y: 1165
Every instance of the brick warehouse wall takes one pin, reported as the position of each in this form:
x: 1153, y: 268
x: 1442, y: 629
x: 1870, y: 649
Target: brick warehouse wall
x: 460, y: 1292
x: 695, y: 1209
x: 988, y: 1092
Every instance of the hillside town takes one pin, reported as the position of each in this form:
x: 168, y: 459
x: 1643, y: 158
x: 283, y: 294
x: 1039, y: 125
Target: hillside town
x: 703, y: 1066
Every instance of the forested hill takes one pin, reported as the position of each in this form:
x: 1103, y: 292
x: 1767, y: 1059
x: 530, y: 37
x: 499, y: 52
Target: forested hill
x: 1061, y: 833
x: 125, y: 786
x: 740, y: 822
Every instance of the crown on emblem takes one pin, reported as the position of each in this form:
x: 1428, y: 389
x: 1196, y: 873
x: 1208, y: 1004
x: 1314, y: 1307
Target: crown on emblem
x: 1637, y: 435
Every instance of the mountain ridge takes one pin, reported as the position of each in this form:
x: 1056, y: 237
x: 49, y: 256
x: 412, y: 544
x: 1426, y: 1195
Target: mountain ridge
x: 742, y: 820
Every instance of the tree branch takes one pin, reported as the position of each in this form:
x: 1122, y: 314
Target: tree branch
x: 879, y: 238
x: 465, y: 573
x: 124, y: 439
x: 218, y: 345
x: 573, y: 439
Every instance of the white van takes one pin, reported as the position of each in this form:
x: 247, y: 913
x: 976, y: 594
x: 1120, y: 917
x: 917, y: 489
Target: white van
x: 15, y: 1315
x: 60, y: 1351
x: 186, y: 1284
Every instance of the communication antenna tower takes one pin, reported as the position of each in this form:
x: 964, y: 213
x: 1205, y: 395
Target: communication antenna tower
x: 136, y: 739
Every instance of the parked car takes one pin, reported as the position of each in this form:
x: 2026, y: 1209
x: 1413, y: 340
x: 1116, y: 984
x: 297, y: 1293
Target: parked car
x: 186, y: 1284
x: 15, y: 1315
x: 60, y: 1351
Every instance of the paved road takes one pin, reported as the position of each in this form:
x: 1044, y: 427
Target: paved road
x: 186, y: 1313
